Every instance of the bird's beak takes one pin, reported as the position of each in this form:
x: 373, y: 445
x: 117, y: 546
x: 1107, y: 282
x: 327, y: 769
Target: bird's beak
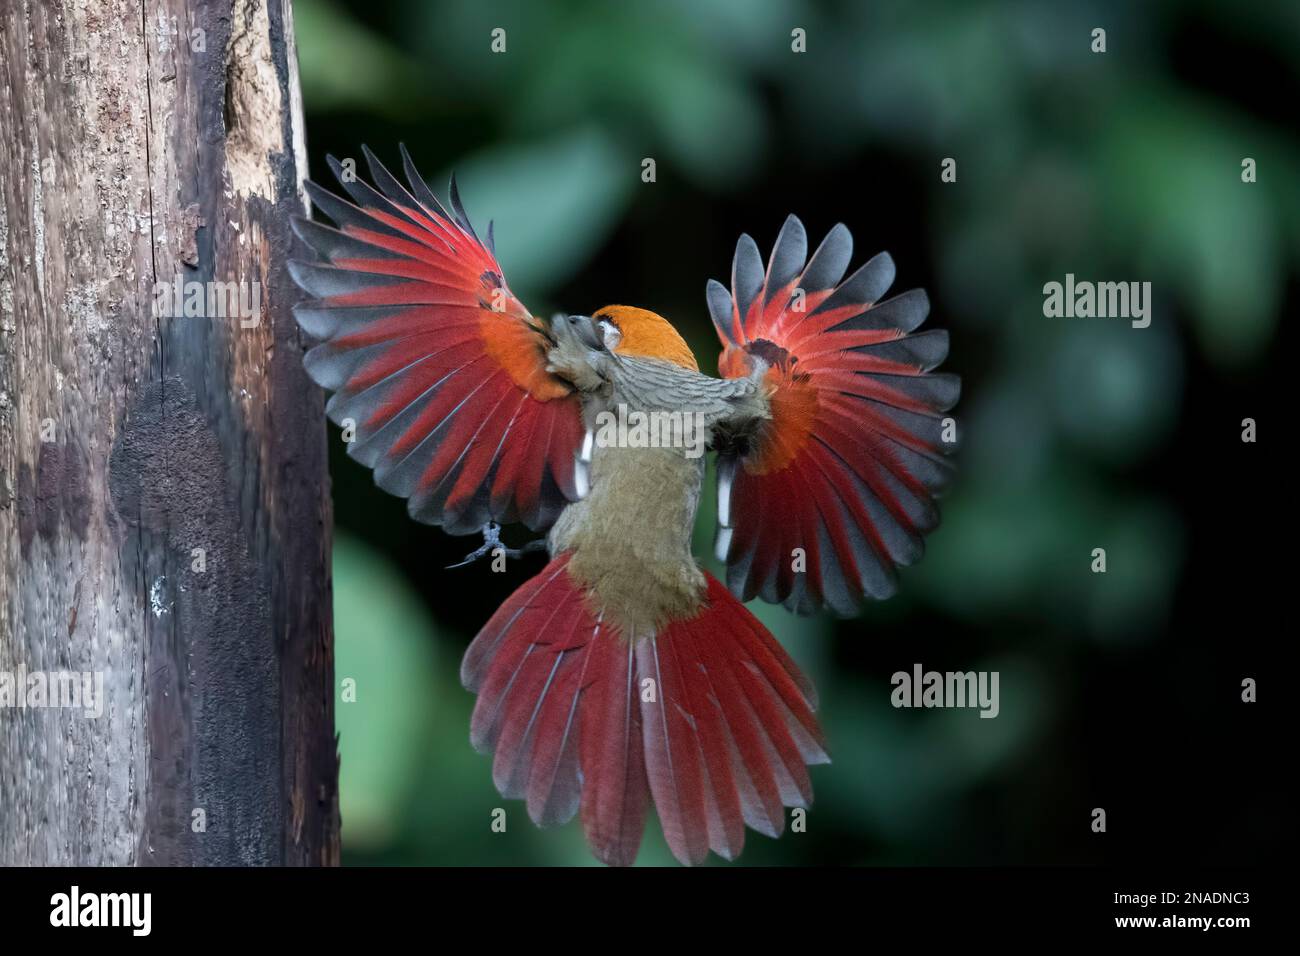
x: 584, y: 326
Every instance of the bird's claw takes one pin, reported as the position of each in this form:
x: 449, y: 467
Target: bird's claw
x: 492, y: 545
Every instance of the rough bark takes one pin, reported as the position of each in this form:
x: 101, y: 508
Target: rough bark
x: 164, y: 500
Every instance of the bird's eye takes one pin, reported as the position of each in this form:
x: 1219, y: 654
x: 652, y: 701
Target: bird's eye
x: 610, y: 333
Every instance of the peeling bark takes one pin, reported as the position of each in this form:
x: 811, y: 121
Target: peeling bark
x: 164, y: 501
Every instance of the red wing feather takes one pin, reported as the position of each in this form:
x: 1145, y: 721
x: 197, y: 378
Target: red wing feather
x: 431, y: 358
x: 854, y: 452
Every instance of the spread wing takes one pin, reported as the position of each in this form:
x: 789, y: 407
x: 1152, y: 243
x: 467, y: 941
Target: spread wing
x: 440, y: 370
x: 820, y: 504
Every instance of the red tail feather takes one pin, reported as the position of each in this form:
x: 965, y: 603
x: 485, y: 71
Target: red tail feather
x: 710, y: 717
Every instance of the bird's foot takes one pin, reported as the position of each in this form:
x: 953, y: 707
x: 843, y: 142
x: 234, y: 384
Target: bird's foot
x: 492, y: 545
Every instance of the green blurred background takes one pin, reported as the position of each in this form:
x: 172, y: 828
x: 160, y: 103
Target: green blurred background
x: 1118, y: 690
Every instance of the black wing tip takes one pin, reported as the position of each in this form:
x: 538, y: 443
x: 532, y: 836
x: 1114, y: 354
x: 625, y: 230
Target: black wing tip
x: 299, y: 270
x: 922, y: 298
x: 313, y: 188
x: 300, y: 226
x: 306, y: 229
x: 954, y: 381
x: 321, y: 196
x: 718, y: 299
x: 462, y: 217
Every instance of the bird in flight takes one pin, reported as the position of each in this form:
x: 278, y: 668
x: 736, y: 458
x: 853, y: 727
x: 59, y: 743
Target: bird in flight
x: 624, y: 673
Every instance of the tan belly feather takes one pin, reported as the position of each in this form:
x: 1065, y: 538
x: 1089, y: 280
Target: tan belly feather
x: 630, y: 538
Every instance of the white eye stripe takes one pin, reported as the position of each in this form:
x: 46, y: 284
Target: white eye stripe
x: 611, y: 334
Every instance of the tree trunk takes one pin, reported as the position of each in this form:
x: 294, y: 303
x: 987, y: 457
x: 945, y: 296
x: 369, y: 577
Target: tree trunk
x: 164, y: 500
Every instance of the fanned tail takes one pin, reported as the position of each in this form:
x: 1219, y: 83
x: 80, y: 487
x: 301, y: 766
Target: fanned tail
x: 709, y: 717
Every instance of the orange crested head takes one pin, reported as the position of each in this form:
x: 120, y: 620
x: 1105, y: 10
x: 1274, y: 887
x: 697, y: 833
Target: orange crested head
x: 643, y: 334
